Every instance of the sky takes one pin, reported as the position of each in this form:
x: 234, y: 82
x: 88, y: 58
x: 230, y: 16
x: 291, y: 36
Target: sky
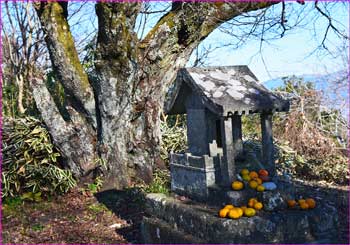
x: 294, y: 54
x: 297, y: 53
x: 290, y: 55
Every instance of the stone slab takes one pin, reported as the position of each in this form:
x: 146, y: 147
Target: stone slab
x: 156, y: 231
x: 201, y: 222
x: 191, y: 181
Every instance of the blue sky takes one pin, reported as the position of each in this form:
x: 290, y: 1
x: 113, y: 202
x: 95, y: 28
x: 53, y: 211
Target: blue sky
x: 294, y: 54
x: 291, y: 55
x: 285, y: 56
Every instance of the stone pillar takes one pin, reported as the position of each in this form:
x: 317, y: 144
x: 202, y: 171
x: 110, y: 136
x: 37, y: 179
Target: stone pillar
x: 211, y: 126
x: 267, y: 142
x: 237, y: 135
x: 228, y: 163
x: 197, y: 132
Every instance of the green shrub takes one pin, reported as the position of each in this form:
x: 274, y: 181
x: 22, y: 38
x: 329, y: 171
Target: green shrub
x: 333, y: 168
x: 174, y: 136
x: 159, y: 184
x: 30, y: 160
x: 96, y: 185
x: 251, y: 129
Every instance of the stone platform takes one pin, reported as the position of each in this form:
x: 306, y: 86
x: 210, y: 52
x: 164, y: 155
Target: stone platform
x: 169, y: 220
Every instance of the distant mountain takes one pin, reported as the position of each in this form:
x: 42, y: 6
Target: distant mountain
x: 322, y: 82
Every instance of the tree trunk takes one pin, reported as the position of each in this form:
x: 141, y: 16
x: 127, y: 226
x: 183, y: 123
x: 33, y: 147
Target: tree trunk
x: 118, y: 115
x: 19, y: 80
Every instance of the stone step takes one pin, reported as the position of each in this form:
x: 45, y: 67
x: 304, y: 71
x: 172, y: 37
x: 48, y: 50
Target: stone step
x: 201, y: 221
x: 156, y: 231
x: 223, y: 195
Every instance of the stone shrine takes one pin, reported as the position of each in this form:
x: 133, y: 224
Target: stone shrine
x: 214, y: 99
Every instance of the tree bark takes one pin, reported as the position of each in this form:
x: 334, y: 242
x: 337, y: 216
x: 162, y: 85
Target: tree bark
x: 75, y: 139
x: 119, y: 115
x: 64, y: 57
x: 117, y: 69
x: 20, y: 82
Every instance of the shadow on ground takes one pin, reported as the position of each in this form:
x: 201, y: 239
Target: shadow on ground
x: 73, y: 218
x: 127, y: 205
x: 337, y: 197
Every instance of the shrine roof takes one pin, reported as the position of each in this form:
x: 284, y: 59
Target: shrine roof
x: 224, y: 90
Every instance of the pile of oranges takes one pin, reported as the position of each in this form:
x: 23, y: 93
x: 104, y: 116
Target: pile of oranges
x: 232, y: 212
x: 304, y: 204
x: 253, y: 178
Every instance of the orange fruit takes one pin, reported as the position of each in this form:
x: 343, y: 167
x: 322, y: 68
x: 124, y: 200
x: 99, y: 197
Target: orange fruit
x: 234, y: 213
x: 291, y: 203
x: 240, y: 212
x: 243, y: 208
x: 311, y: 202
x: 258, y: 205
x: 304, y: 205
x: 260, y: 188
x: 249, y: 212
x: 253, y: 175
x: 253, y: 184
x: 223, y: 212
x: 263, y: 172
x: 229, y: 206
x: 237, y: 185
x: 301, y: 201
x: 251, y: 202
x: 259, y: 181
x: 244, y: 172
x: 246, y: 177
x: 253, y: 199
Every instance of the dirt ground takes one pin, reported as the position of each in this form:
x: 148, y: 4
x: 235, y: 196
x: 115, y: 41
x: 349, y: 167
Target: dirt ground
x: 77, y: 217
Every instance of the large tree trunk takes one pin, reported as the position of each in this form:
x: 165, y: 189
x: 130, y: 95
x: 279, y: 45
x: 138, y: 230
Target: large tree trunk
x: 118, y: 115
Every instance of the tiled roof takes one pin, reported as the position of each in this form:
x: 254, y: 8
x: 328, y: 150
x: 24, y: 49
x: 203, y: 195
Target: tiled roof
x: 225, y: 89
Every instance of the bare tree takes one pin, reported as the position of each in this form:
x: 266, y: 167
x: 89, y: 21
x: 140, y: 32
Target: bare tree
x: 22, y: 48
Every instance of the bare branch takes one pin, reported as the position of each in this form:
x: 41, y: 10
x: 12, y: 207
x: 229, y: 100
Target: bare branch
x: 329, y: 26
x: 283, y: 18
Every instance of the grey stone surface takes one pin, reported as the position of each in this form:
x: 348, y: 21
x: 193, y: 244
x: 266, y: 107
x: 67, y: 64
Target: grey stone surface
x: 272, y: 200
x: 192, y: 175
x: 240, y: 198
x: 226, y: 89
x: 237, y: 135
x: 214, y: 150
x: 253, y: 155
x: 197, y: 132
x: 228, y: 163
x: 213, y: 122
x: 201, y: 222
x: 267, y: 142
x: 156, y: 231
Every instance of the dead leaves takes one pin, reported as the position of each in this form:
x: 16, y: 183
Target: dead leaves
x: 67, y: 219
